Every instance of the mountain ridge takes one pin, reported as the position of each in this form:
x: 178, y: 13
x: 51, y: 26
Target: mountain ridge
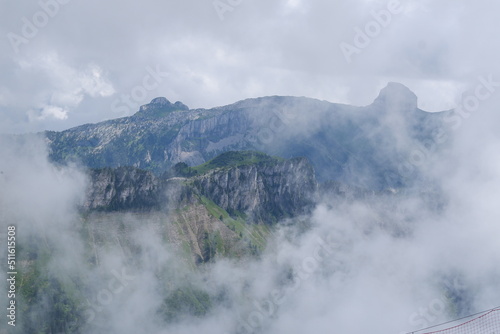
x: 341, y: 141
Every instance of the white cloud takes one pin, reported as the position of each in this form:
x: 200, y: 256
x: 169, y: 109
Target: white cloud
x: 70, y: 85
x: 94, y: 83
x: 54, y: 112
x: 65, y: 87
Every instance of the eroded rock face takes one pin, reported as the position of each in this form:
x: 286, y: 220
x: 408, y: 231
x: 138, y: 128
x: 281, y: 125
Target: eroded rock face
x: 123, y: 188
x: 214, y: 213
x: 265, y: 192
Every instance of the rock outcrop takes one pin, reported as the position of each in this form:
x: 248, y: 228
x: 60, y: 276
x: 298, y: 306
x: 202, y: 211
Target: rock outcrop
x: 266, y: 190
x: 123, y: 188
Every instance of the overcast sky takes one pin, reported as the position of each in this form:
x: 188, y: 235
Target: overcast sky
x: 71, y: 62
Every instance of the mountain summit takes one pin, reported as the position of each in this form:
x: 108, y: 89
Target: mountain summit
x: 163, y: 104
x: 396, y: 96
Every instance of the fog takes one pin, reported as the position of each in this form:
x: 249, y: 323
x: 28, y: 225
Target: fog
x: 392, y: 262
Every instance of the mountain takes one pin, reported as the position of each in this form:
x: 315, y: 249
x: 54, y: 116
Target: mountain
x: 229, y: 198
x: 172, y: 190
x: 360, y: 146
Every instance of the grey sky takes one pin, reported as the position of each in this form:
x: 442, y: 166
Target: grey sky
x: 82, y: 56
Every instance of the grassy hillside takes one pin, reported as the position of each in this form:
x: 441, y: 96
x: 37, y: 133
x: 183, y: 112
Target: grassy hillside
x: 226, y: 160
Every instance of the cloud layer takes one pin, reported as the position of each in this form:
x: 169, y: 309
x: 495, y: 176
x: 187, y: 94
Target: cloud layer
x: 385, y: 264
x: 67, y: 62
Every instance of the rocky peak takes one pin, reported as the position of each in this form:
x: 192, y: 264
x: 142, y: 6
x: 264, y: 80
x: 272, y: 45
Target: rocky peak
x: 396, y: 96
x: 163, y: 104
x: 160, y: 101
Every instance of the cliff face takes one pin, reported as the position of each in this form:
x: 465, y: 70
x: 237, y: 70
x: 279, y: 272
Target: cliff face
x: 224, y: 209
x: 265, y: 191
x: 124, y: 188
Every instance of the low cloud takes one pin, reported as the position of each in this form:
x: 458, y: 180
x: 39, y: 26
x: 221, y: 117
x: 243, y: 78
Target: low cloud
x: 388, y: 263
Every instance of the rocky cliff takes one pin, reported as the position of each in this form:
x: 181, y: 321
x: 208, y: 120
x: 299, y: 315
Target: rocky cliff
x: 263, y: 188
x: 265, y: 191
x: 123, y: 188
x: 224, y: 208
